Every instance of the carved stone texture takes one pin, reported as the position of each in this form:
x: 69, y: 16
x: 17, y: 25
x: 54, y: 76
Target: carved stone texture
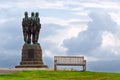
x: 31, y: 57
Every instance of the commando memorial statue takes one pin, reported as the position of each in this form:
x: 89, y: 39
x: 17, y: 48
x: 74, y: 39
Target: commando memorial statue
x: 31, y: 27
x: 31, y: 51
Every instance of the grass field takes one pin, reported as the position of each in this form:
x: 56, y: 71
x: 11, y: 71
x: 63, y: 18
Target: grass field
x: 60, y: 75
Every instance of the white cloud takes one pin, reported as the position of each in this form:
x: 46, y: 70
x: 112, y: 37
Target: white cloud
x: 78, y: 20
x: 53, y: 20
x: 116, y: 17
x: 2, y: 6
x: 109, y: 5
x: 91, y: 59
x: 65, y: 22
x: 48, y: 53
x: 59, y: 4
x: 3, y: 20
x: 33, y: 4
x: 69, y: 30
x: 100, y: 4
x: 108, y: 40
x: 82, y: 13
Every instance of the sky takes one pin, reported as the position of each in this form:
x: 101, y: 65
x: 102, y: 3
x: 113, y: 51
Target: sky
x: 88, y: 28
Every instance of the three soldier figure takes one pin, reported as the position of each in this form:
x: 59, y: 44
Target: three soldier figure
x: 31, y: 28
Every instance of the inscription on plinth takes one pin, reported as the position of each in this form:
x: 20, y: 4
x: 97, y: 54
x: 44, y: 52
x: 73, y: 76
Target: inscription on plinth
x: 30, y: 54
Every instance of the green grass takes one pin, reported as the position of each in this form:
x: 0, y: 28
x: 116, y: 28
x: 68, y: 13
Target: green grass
x: 60, y: 75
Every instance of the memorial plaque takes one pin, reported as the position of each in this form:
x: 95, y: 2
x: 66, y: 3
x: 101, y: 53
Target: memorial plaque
x: 31, y: 54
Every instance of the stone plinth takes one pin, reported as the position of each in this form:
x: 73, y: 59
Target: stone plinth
x: 31, y: 57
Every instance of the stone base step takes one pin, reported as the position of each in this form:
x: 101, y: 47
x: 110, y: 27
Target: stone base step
x: 31, y: 66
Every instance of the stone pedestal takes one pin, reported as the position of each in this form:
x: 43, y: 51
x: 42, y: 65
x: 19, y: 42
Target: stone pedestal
x: 31, y: 57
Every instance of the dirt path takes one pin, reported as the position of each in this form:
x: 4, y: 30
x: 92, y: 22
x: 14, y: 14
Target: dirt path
x: 8, y: 70
x: 15, y: 70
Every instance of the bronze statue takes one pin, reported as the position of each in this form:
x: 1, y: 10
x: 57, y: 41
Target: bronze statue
x: 38, y: 26
x: 25, y: 25
x: 31, y: 33
x: 31, y: 28
x: 31, y: 51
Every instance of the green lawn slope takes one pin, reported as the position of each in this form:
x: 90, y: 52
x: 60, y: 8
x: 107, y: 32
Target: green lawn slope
x: 60, y: 75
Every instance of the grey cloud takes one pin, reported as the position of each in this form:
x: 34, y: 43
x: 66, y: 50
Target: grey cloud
x: 91, y: 39
x: 9, y: 58
x: 11, y: 35
x: 48, y: 61
x: 11, y: 42
x: 48, y: 45
x: 101, y: 22
x: 49, y: 30
x: 88, y: 43
x: 104, y: 66
x: 83, y: 44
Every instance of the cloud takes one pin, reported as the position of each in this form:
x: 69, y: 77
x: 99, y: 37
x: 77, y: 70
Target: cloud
x: 48, y: 61
x: 48, y: 20
x: 102, y: 24
x: 28, y: 4
x: 9, y: 58
x: 10, y: 41
x: 104, y: 66
x: 99, y: 43
x: 115, y: 16
x: 49, y: 30
x: 3, y: 20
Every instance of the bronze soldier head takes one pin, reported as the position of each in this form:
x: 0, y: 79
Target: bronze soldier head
x: 37, y: 14
x: 26, y: 13
x: 32, y: 14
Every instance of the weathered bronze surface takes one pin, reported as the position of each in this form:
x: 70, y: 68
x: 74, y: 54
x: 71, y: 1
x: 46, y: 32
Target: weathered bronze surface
x: 31, y: 28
